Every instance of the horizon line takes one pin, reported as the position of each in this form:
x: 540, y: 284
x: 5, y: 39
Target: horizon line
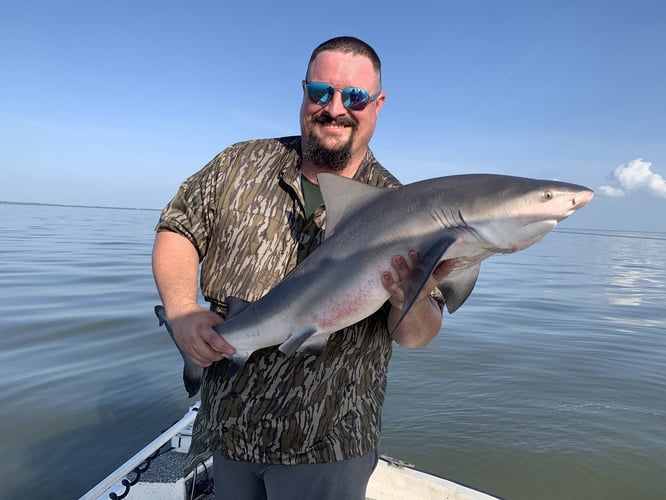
x: 70, y: 205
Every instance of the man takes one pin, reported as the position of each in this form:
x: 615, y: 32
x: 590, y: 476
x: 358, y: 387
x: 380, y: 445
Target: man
x: 304, y: 426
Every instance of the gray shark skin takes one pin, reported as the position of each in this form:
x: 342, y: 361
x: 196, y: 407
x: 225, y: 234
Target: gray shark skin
x: 464, y: 218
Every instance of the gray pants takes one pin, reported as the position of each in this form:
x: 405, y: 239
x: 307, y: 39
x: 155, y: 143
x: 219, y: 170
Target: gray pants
x: 346, y: 480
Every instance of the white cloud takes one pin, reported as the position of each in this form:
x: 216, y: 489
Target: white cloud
x: 636, y: 176
x: 613, y: 192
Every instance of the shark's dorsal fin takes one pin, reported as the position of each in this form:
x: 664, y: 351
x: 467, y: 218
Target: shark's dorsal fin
x: 344, y: 196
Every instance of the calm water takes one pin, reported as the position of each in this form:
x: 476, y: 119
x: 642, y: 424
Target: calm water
x: 549, y: 383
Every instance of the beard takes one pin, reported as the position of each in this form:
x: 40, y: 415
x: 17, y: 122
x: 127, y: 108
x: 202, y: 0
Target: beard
x: 324, y: 157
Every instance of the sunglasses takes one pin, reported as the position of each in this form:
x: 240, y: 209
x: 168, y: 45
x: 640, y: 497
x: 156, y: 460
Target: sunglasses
x: 353, y: 98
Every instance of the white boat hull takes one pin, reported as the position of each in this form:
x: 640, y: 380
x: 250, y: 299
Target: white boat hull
x: 163, y: 479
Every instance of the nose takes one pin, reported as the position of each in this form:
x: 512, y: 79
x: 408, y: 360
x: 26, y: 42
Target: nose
x: 335, y: 106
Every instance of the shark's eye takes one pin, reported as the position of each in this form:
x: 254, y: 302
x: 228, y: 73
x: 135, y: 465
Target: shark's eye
x: 547, y: 195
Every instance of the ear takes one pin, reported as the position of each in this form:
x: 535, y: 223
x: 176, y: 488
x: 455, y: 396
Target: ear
x: 380, y: 102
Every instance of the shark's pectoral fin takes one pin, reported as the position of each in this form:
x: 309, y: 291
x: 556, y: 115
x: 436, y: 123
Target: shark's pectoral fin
x: 458, y: 286
x: 296, y: 340
x: 422, y: 271
x: 192, y: 373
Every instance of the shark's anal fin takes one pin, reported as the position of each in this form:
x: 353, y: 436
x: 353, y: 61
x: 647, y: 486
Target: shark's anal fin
x: 314, y: 345
x: 421, y: 273
x: 290, y: 345
x: 192, y: 373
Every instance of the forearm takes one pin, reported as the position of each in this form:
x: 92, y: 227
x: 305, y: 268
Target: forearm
x: 421, y: 324
x: 176, y: 270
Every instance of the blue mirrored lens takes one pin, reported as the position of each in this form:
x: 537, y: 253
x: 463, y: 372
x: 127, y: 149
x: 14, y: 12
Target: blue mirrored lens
x: 353, y: 98
x: 320, y: 93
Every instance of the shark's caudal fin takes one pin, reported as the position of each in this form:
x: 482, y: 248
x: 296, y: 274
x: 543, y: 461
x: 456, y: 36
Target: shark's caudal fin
x: 343, y: 196
x: 192, y: 373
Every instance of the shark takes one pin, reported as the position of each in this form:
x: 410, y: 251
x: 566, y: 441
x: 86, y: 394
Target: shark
x: 462, y: 218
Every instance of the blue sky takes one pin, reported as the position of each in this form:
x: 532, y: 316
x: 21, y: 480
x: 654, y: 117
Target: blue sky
x: 115, y: 103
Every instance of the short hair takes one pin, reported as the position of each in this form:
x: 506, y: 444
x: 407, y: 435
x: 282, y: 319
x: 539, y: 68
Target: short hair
x: 348, y: 44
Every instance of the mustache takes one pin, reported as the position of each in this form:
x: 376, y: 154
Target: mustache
x: 325, y: 117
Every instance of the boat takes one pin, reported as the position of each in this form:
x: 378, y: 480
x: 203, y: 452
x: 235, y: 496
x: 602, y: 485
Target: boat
x: 156, y: 473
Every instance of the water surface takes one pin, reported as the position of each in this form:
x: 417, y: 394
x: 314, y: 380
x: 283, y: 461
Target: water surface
x: 548, y: 383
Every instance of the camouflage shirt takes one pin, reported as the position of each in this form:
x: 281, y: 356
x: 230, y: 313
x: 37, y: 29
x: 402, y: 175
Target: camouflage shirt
x: 244, y: 213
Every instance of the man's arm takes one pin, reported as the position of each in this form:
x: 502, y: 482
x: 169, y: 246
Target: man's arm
x: 176, y: 270
x: 424, y: 320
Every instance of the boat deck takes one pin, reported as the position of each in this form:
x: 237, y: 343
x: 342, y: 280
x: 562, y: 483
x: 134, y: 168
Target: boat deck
x: 156, y: 473
x: 167, y: 469
x: 164, y: 478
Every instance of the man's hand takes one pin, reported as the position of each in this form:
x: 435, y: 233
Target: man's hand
x: 424, y: 319
x: 403, y: 271
x: 175, y: 267
x: 193, y: 331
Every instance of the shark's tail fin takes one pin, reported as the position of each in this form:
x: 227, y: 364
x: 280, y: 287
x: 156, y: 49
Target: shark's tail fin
x: 192, y: 373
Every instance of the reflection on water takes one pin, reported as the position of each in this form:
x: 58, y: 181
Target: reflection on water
x: 631, y: 264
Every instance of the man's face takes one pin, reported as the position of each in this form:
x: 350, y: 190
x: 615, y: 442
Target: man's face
x: 334, y: 136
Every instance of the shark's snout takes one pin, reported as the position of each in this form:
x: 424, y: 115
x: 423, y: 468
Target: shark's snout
x: 581, y: 199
